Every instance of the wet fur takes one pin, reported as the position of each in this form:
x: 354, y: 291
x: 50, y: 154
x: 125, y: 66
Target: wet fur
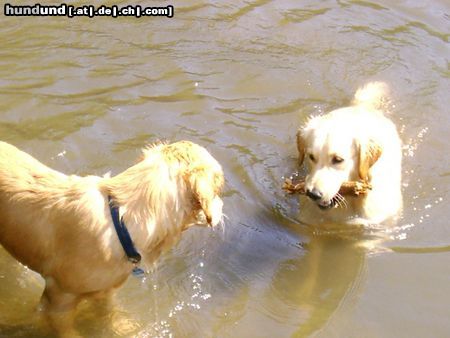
x: 60, y: 226
x: 370, y: 147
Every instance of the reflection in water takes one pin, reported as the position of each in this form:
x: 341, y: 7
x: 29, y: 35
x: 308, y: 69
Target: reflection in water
x: 316, y: 284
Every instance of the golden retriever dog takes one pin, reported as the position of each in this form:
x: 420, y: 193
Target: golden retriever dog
x: 348, y: 144
x: 61, y: 226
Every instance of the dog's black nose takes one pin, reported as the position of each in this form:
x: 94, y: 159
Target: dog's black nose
x: 314, y: 194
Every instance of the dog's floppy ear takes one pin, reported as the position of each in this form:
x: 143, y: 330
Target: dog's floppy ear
x: 369, y: 153
x: 206, y: 187
x: 300, y: 146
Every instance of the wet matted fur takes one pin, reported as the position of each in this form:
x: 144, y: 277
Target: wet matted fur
x: 60, y: 226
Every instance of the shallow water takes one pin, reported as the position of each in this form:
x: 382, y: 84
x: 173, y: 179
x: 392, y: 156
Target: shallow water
x: 238, y: 77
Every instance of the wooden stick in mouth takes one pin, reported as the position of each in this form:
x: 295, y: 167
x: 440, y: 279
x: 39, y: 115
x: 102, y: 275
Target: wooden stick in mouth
x: 350, y: 188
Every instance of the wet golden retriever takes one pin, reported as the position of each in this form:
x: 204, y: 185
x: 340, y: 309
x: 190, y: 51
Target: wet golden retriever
x: 353, y: 143
x: 61, y: 226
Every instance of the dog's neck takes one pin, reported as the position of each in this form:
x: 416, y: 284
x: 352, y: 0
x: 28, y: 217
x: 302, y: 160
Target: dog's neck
x: 150, y: 196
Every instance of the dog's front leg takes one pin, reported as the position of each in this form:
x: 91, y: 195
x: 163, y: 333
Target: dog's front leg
x: 107, y: 305
x: 103, y: 302
x: 59, y: 308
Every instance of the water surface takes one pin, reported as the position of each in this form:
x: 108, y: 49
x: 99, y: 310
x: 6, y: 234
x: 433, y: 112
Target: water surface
x: 239, y: 77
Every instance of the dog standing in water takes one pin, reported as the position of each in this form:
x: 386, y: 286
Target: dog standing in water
x: 349, y: 144
x: 63, y: 226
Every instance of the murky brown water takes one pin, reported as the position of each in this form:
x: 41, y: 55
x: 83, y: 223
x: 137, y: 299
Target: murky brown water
x: 83, y: 95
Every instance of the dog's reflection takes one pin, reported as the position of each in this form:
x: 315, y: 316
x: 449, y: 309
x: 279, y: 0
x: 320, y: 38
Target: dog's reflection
x: 316, y: 284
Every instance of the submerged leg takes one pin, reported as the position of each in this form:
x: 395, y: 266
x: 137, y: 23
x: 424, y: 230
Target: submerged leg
x: 59, y: 308
x: 108, y: 307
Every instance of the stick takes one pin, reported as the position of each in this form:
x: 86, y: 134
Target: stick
x: 354, y: 188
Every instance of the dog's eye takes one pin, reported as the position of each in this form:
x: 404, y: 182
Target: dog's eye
x: 337, y: 160
x: 312, y: 158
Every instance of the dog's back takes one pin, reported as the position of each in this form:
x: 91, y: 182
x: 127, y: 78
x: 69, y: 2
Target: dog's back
x: 31, y: 195
x: 385, y: 199
x: 17, y: 185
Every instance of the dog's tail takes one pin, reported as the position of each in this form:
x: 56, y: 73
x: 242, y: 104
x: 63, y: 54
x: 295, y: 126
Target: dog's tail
x: 373, y: 95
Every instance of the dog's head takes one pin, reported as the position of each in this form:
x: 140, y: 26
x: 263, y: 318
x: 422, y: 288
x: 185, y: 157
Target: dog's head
x: 203, y: 178
x: 334, y: 153
x: 205, y: 184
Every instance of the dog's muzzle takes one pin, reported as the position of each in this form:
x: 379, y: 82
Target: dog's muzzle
x: 325, y: 205
x: 316, y: 195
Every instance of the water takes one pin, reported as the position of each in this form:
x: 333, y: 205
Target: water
x: 238, y: 77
